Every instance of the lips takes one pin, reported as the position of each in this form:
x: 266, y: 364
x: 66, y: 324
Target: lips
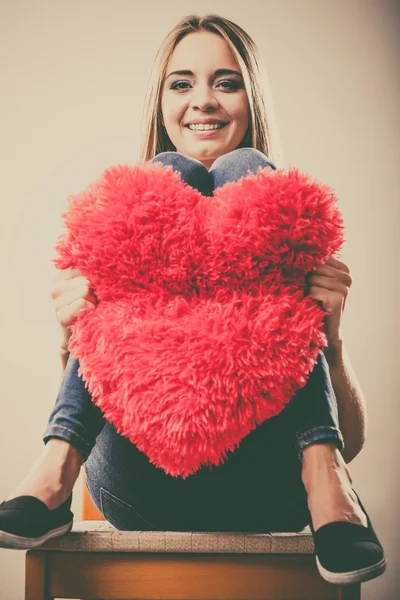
x: 206, y: 133
x: 216, y: 123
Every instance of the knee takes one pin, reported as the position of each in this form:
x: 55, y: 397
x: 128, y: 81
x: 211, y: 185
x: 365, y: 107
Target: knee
x: 172, y: 157
x: 250, y: 158
x: 166, y: 156
x: 191, y: 170
x: 180, y: 162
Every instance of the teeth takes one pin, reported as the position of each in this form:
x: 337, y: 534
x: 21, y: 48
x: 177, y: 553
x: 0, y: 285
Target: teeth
x: 206, y: 126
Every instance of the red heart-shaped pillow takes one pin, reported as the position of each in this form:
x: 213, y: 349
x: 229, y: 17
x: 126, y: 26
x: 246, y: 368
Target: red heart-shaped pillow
x: 203, y: 329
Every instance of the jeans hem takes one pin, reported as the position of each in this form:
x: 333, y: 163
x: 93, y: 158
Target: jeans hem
x: 323, y: 433
x: 59, y: 431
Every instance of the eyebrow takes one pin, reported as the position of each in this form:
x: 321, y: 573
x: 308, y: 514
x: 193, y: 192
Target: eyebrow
x: 217, y: 73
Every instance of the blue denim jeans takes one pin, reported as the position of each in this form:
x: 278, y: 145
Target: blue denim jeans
x: 257, y: 489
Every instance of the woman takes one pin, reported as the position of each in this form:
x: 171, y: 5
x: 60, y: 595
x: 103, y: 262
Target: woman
x: 291, y: 470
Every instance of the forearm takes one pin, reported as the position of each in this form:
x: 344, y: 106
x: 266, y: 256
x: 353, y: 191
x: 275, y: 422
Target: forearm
x: 64, y: 355
x: 65, y: 335
x: 350, y: 400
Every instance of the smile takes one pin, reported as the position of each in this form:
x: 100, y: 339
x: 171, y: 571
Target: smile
x: 205, y: 131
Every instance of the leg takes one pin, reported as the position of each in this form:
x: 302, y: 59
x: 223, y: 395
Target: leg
x: 312, y: 415
x: 237, y: 164
x: 37, y: 576
x: 74, y: 417
x: 192, y: 171
x: 129, y: 496
x: 69, y: 437
x: 75, y: 421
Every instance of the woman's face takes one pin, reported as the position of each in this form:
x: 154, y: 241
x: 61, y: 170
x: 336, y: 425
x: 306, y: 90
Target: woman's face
x: 204, y: 94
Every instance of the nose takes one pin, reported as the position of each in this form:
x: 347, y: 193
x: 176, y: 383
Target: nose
x: 203, y: 97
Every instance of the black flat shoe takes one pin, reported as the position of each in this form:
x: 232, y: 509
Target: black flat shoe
x: 26, y: 522
x: 348, y: 553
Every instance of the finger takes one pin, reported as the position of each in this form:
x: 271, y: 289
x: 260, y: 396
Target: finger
x: 330, y: 300
x: 67, y: 315
x: 340, y: 290
x: 324, y: 270
x: 65, y: 285
x: 318, y: 295
x: 333, y: 273
x: 322, y: 297
x: 69, y: 273
x: 69, y: 296
x: 338, y: 264
x: 328, y: 283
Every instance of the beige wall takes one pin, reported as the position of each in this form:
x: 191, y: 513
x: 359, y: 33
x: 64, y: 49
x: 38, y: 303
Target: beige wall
x: 73, y: 78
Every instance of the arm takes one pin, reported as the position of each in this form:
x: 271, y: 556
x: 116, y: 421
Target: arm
x: 329, y: 285
x: 350, y: 399
x: 64, y: 355
x: 71, y: 294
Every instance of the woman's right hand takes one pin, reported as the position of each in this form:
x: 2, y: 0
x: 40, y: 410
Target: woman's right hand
x: 71, y: 293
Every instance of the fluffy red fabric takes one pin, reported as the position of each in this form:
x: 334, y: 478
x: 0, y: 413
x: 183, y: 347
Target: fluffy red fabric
x: 203, y: 329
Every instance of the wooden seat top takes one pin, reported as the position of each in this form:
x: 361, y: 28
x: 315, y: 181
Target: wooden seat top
x: 101, y: 536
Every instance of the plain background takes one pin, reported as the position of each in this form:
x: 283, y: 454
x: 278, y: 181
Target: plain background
x: 73, y: 77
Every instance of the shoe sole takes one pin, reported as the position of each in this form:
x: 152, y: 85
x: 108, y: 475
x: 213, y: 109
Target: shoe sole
x: 17, y: 542
x: 357, y: 576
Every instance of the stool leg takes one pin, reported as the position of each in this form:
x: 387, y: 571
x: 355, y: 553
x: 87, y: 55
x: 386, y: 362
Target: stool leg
x: 350, y: 592
x: 36, y: 576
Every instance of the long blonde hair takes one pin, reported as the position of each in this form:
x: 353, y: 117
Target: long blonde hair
x: 261, y: 132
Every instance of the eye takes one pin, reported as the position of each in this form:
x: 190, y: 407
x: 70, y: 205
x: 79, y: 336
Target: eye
x: 174, y: 86
x: 232, y: 84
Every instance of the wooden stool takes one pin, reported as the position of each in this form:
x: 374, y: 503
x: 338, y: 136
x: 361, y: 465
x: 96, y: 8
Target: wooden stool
x: 97, y: 561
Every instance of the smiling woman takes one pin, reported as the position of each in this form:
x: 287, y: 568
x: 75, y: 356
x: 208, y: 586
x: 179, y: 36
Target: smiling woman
x: 206, y: 115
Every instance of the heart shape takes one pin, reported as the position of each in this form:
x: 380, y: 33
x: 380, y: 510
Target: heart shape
x: 203, y: 329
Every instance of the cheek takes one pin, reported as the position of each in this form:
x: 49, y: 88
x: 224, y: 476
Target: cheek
x: 240, y: 111
x: 172, y: 113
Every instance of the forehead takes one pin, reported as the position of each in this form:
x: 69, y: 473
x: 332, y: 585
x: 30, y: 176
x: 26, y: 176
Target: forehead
x: 202, y: 50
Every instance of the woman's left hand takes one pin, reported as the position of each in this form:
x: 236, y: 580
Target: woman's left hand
x: 329, y: 284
